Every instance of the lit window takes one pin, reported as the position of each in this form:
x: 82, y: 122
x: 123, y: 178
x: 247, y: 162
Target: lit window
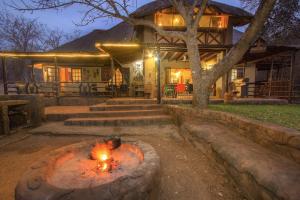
x: 118, y: 77
x: 49, y: 74
x: 76, y: 75
x: 169, y: 18
x: 178, y: 76
x: 237, y: 73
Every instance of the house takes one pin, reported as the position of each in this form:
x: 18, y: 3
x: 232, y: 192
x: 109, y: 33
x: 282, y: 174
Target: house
x: 123, y: 61
x: 269, y: 69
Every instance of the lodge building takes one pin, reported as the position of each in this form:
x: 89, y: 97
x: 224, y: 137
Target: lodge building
x: 136, y: 61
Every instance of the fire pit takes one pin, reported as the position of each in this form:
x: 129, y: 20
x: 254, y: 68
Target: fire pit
x: 93, y: 171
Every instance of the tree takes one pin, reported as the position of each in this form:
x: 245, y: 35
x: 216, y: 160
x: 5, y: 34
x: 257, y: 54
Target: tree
x: 55, y: 38
x: 283, y: 21
x: 20, y: 34
x: 202, y: 79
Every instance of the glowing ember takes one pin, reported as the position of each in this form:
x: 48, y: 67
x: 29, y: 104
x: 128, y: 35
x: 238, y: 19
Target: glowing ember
x: 102, y: 154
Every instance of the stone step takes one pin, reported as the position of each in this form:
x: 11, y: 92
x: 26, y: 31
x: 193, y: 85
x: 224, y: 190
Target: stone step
x: 93, y: 114
x: 105, y: 107
x: 259, y: 172
x: 120, y: 121
x: 126, y: 101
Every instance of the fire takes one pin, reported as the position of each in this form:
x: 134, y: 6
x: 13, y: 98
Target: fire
x: 102, y: 153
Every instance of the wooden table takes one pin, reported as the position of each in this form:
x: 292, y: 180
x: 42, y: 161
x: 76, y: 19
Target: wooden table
x: 4, y: 119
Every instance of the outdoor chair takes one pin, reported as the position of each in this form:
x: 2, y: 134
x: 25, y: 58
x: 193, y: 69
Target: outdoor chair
x: 189, y: 88
x: 169, y: 91
x: 180, y: 89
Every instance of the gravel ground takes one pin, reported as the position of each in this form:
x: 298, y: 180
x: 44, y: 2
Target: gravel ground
x: 185, y: 172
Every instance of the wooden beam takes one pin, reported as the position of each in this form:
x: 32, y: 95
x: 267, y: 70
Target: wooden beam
x: 210, y: 56
x: 181, y: 55
x: 293, y: 57
x: 158, y: 76
x: 173, y: 56
x: 271, y: 77
x: 203, y: 55
x: 112, y: 65
x: 57, y: 84
x: 163, y: 55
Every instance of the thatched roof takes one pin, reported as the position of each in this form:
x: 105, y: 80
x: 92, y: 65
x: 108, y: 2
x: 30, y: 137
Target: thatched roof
x: 120, y: 33
x: 235, y: 12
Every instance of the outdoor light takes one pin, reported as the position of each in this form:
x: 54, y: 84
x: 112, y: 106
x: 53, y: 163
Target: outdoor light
x: 117, y: 45
x: 66, y: 55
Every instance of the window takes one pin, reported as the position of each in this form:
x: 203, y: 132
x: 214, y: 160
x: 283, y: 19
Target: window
x: 49, y: 74
x: 181, y: 76
x: 237, y: 73
x: 169, y: 18
x: 118, y: 77
x: 76, y: 75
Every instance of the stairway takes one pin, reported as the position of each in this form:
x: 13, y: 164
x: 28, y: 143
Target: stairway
x: 115, y: 113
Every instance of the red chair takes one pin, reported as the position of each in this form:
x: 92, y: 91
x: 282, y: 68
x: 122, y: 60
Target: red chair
x: 180, y: 88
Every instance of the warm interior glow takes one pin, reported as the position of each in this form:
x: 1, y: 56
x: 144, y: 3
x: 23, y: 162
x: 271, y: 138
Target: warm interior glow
x: 167, y: 18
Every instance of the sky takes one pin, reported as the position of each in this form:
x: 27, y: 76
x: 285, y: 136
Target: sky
x: 67, y: 18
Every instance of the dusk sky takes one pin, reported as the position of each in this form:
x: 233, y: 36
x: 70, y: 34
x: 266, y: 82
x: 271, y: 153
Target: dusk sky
x: 66, y: 19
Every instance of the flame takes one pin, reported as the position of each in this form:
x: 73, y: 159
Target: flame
x: 102, y: 154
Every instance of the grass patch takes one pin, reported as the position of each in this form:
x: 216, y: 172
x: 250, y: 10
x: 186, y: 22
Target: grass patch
x: 284, y: 115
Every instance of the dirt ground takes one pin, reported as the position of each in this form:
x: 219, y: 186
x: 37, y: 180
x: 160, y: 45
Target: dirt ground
x: 186, y: 174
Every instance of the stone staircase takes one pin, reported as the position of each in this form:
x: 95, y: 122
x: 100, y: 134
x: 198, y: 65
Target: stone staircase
x: 114, y: 113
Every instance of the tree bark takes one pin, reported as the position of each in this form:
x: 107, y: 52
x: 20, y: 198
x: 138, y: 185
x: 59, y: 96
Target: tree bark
x: 201, y: 87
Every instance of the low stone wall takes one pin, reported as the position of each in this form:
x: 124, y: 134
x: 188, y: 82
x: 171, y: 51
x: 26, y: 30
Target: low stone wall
x: 260, y: 172
x: 284, y: 141
x: 74, y: 101
x: 35, y: 108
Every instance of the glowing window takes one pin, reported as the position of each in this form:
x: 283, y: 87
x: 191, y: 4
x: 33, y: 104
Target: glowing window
x: 171, y: 19
x: 178, y: 76
x: 49, y: 74
x: 76, y: 75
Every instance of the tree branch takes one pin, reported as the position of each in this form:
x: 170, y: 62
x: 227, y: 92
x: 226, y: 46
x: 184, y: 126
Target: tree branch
x: 200, y: 13
x: 237, y: 52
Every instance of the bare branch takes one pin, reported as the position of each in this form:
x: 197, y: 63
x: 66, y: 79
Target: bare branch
x: 236, y: 53
x: 200, y: 13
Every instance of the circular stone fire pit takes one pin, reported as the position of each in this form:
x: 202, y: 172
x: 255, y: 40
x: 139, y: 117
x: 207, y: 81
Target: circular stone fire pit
x: 69, y: 173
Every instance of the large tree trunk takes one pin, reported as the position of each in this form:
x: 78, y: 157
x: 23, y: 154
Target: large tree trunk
x: 201, y: 87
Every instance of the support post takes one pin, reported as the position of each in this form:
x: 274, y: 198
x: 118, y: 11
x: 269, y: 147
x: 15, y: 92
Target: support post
x: 291, y: 77
x: 112, y: 65
x: 271, y: 77
x: 157, y: 62
x: 57, y: 84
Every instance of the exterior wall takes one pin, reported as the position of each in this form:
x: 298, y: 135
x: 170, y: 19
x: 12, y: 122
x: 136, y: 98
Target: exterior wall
x: 250, y: 72
x: 150, y: 75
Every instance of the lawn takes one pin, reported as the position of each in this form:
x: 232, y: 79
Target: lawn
x: 284, y: 115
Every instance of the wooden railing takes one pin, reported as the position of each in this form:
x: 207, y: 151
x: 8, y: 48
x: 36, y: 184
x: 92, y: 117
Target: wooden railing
x: 62, y: 88
x: 277, y: 89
